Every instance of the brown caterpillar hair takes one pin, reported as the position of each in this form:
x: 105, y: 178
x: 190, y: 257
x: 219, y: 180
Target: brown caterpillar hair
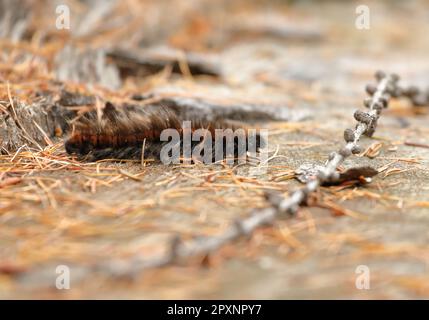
x: 120, y: 133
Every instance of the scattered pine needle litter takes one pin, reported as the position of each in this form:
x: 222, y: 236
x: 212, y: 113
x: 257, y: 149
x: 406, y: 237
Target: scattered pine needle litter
x: 25, y: 163
x: 121, y: 218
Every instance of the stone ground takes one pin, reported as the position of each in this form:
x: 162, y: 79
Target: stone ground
x: 382, y: 225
